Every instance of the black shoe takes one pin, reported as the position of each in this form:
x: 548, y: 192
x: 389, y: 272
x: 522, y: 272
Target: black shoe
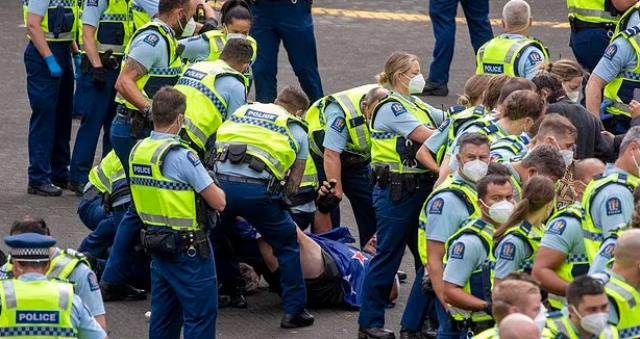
x: 410, y: 335
x: 402, y: 276
x: 76, y: 187
x: 302, y: 319
x: 435, y: 90
x: 234, y: 301
x: 60, y: 183
x: 125, y: 292
x: 375, y: 333
x: 47, y: 190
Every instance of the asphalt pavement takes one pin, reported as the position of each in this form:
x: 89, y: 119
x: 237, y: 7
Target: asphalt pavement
x: 354, y: 39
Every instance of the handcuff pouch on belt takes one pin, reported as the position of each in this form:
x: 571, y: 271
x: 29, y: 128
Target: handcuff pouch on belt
x: 169, y: 244
x: 352, y: 160
x: 302, y: 197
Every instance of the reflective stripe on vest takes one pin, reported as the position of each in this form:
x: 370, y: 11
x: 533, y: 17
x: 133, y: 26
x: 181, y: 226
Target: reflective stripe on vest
x: 218, y: 39
x: 627, y: 300
x: 620, y: 90
x: 591, y: 11
x: 107, y: 173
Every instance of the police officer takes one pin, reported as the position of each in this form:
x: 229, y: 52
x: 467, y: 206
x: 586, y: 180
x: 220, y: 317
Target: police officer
x: 518, y: 239
x: 592, y: 23
x: 143, y: 11
x: 543, y: 160
x: 37, y: 306
x: 467, y: 264
x: 236, y: 24
x: 588, y: 312
x: 622, y: 285
x: 609, y: 204
x: 340, y: 142
x: 214, y: 90
x: 443, y: 213
x: 66, y: 265
x: 51, y: 28
x: 262, y: 151
x: 168, y: 182
x: 400, y: 124
x: 290, y: 21
x: 151, y: 61
x: 615, y: 73
x: 107, y: 29
x: 562, y: 256
x: 513, y: 53
x: 107, y: 192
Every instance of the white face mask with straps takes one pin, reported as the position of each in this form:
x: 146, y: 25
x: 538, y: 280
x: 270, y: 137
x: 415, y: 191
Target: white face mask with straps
x: 416, y: 84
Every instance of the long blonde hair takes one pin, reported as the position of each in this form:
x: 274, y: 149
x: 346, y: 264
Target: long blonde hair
x: 565, y: 69
x: 397, y: 63
x: 474, y: 89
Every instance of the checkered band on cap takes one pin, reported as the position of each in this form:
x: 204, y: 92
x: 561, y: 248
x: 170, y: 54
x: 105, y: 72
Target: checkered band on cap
x: 35, y: 254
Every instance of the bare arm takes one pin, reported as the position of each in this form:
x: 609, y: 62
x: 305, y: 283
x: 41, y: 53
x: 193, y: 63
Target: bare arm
x: 126, y: 84
x: 102, y: 321
x: 322, y: 221
x: 295, y: 177
x: 215, y: 197
x: 88, y: 35
x: 420, y: 134
x: 37, y: 35
x: 333, y: 169
x: 594, y: 94
x: 435, y: 253
x: 457, y: 297
x: 547, y: 262
x: 426, y: 159
x: 267, y: 255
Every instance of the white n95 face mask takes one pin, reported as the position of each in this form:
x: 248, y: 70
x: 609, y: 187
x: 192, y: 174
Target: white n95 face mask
x: 475, y: 169
x: 236, y: 36
x: 189, y: 29
x: 416, y: 84
x: 501, y: 211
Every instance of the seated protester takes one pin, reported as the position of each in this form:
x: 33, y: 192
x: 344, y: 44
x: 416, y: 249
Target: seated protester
x: 467, y: 270
x: 543, y: 160
x: 333, y: 270
x: 518, y: 239
x: 587, y: 313
x: 518, y: 326
x: 519, y: 111
x: 590, y: 141
x: 66, y: 265
x: 515, y: 296
x: 562, y: 257
x: 236, y: 24
x: 108, y: 186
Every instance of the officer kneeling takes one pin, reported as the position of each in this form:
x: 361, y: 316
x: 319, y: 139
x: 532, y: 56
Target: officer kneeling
x: 33, y: 306
x: 168, y: 184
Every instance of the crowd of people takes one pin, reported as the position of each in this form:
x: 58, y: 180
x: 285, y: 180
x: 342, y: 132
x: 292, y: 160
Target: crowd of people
x: 519, y: 204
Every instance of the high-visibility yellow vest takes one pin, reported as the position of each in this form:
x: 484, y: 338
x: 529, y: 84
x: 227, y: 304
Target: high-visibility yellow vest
x: 161, y: 201
x: 385, y: 145
x: 310, y: 177
x: 218, y: 39
x: 60, y: 21
x: 359, y: 141
x: 110, y: 171
x: 592, y: 233
x: 463, y: 191
x: 462, y: 117
x: 501, y: 55
x: 115, y: 28
x: 491, y: 333
x: 155, y: 78
x: 516, y: 144
x: 531, y: 236
x: 140, y: 16
x: 206, y: 107
x: 61, y: 267
x: 591, y: 11
x: 574, y: 264
x: 560, y: 326
x: 474, y: 286
x: 36, y: 309
x: 620, y: 90
x: 626, y: 299
x: 264, y: 129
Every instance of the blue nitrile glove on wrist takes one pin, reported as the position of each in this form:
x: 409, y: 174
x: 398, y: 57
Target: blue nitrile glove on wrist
x: 77, y: 62
x: 53, y: 66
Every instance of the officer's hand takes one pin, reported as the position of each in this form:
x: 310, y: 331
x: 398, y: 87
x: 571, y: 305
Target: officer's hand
x: 327, y: 199
x: 99, y: 78
x: 53, y: 66
x: 634, y: 109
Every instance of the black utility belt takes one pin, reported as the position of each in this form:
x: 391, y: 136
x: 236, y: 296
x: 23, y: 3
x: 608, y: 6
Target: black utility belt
x: 469, y: 325
x: 350, y: 160
x: 237, y: 154
x: 139, y: 122
x: 577, y: 24
x: 169, y: 243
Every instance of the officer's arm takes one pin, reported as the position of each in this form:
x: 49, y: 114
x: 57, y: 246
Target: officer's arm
x: 295, y: 176
x: 547, y: 263
x: 421, y: 134
x: 435, y: 253
x: 37, y: 35
x: 126, y: 84
x: 333, y: 169
x: 215, y: 197
x: 456, y: 296
x: 426, y: 159
x: 88, y: 35
x: 594, y: 94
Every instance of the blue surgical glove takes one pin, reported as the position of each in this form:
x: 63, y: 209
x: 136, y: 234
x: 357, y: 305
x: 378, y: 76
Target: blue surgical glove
x: 54, y: 68
x: 77, y: 62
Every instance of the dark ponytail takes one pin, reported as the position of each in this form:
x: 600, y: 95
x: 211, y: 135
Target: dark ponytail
x: 234, y: 10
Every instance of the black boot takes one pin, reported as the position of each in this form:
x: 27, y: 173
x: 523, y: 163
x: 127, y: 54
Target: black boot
x: 302, y: 319
x: 125, y: 292
x: 375, y: 333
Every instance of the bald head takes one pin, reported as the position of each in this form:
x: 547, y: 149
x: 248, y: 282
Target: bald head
x: 518, y: 326
x: 584, y: 170
x: 627, y: 251
x: 516, y: 16
x: 372, y: 98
